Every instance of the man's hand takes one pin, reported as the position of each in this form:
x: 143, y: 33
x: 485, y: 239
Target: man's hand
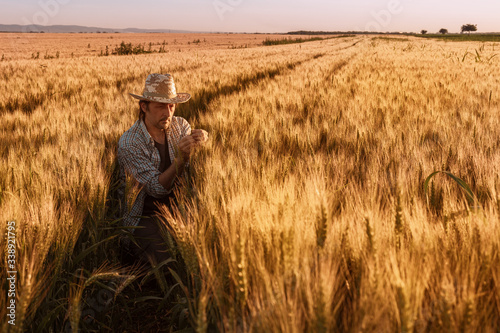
x: 199, y: 135
x: 189, y: 142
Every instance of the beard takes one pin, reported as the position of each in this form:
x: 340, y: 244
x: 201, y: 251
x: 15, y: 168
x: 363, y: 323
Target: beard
x: 164, y: 124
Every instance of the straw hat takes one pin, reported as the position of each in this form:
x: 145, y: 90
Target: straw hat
x: 161, y: 88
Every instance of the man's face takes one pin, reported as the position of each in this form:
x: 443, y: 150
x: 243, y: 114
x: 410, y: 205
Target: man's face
x: 159, y: 115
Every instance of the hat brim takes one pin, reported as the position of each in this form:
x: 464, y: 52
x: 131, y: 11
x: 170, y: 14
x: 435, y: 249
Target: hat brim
x: 180, y: 98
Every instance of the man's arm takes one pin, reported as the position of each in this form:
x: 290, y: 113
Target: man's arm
x: 167, y: 178
x: 133, y: 159
x: 186, y: 146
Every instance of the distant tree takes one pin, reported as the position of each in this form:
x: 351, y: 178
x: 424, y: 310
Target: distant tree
x: 443, y: 31
x: 469, y: 27
x: 423, y: 32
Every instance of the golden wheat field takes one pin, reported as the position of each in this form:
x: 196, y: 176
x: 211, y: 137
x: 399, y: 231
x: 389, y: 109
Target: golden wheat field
x: 305, y: 212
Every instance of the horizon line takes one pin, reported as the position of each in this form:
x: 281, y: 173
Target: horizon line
x: 164, y: 30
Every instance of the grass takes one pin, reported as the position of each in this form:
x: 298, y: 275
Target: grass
x: 464, y: 37
x: 391, y: 39
x: 307, y: 211
x: 289, y: 40
x: 269, y: 42
x: 128, y: 49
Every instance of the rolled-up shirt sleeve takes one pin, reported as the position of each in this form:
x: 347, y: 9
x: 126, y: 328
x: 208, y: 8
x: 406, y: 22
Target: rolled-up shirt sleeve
x: 135, y: 161
x: 180, y: 129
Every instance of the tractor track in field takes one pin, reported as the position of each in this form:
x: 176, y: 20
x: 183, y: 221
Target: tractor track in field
x: 338, y: 66
x: 200, y: 103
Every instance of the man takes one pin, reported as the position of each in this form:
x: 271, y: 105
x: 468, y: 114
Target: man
x: 154, y: 152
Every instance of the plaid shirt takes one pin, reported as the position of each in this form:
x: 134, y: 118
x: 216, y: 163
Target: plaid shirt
x: 139, y: 158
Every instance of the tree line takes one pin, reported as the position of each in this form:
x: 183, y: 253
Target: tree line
x: 465, y: 28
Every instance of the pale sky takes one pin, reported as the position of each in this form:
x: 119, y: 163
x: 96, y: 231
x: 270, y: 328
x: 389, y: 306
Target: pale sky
x: 258, y: 15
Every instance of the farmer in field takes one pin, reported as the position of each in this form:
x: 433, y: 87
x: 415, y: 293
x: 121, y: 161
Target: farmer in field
x: 154, y: 152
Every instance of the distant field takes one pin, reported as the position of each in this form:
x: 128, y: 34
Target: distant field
x: 305, y: 212
x: 25, y: 46
x: 464, y: 37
